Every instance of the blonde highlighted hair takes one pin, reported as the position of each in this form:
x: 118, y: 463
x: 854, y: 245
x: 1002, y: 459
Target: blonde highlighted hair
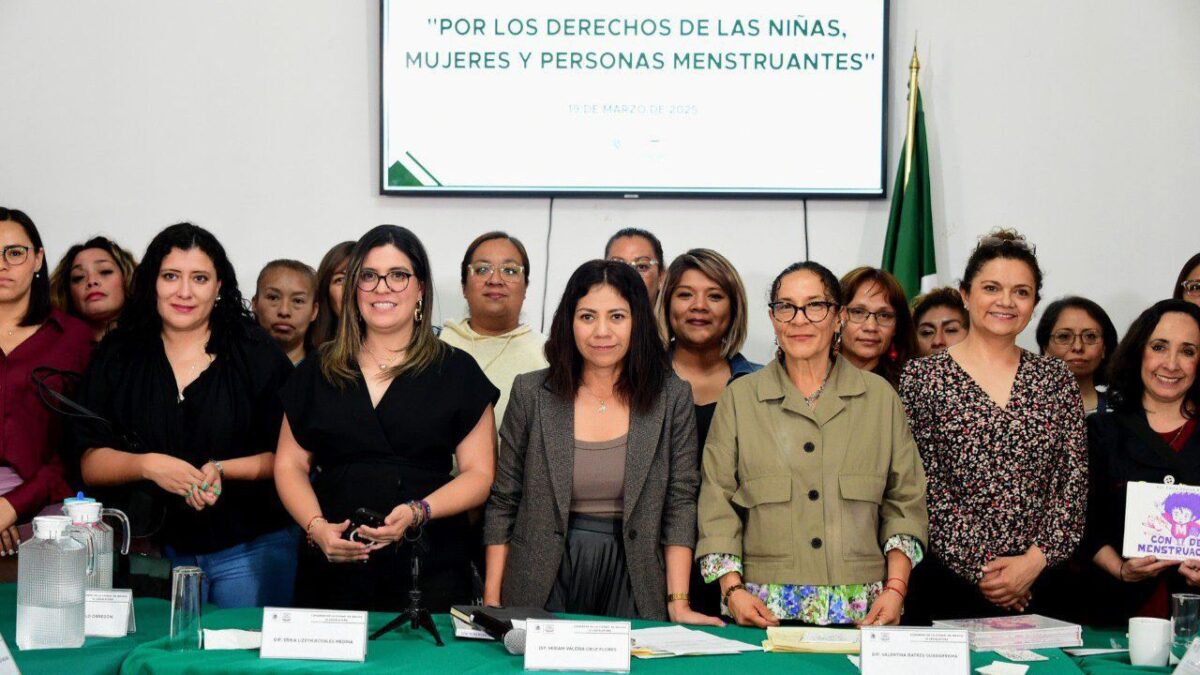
x: 339, y: 356
x: 716, y: 267
x: 60, y: 280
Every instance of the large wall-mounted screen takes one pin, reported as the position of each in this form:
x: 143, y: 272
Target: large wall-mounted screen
x: 757, y: 98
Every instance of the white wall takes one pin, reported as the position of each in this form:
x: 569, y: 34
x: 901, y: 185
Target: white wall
x: 1074, y: 121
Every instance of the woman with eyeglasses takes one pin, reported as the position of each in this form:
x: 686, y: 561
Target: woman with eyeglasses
x: 1187, y: 286
x: 1149, y: 436
x: 812, y: 501
x: 495, y: 277
x: 1002, y: 437
x: 383, y: 410
x: 594, y: 506
x: 878, y: 335
x: 33, y: 334
x: 1079, y: 332
x: 190, y: 376
x: 92, y: 281
x: 641, y: 250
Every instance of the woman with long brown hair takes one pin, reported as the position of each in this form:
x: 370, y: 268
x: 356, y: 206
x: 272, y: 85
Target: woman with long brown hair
x: 380, y: 414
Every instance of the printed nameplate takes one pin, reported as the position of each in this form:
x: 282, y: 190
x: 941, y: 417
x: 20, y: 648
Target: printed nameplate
x: 109, y: 613
x: 888, y: 650
x: 320, y: 634
x: 596, y: 646
x: 1162, y: 520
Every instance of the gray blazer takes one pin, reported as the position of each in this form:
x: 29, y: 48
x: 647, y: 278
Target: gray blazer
x: 531, y: 497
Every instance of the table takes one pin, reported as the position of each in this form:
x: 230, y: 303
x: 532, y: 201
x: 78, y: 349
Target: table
x: 98, y: 655
x: 416, y: 653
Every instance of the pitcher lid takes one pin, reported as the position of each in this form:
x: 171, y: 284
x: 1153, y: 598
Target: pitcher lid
x: 50, y: 527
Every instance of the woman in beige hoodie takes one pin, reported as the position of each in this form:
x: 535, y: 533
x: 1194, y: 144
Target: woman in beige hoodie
x: 495, y: 276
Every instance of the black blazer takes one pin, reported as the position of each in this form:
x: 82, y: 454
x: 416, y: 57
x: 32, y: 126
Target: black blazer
x: 1122, y: 448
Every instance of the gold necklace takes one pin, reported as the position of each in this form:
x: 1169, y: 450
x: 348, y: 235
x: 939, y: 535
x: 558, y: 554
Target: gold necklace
x: 379, y: 362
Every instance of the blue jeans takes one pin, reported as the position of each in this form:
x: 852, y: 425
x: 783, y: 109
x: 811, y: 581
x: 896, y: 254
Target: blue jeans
x: 258, y: 573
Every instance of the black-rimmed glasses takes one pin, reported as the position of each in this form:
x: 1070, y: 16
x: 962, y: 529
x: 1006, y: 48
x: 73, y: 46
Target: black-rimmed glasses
x: 396, y: 280
x: 815, y: 312
x: 15, y: 254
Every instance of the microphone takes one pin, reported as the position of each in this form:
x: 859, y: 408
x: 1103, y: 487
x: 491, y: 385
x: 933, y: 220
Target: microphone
x: 501, y: 630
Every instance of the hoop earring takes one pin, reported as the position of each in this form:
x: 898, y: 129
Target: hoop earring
x: 418, y: 315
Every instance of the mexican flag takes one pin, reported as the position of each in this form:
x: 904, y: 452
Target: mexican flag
x: 908, y: 251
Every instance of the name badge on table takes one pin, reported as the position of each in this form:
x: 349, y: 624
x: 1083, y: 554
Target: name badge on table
x: 109, y: 613
x: 596, y: 646
x: 1162, y: 520
x: 888, y: 650
x: 319, y: 634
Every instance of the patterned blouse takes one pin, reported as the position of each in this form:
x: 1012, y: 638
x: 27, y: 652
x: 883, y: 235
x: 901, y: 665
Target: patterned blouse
x: 999, y: 479
x: 820, y: 605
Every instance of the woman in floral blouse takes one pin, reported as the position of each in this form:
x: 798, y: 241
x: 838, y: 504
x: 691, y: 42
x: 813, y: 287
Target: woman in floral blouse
x: 1001, y: 432
x: 812, y: 501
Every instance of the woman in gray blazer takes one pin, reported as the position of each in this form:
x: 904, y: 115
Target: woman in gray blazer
x: 593, y: 510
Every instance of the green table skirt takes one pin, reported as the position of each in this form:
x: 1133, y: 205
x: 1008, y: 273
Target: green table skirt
x: 98, y: 655
x: 415, y: 652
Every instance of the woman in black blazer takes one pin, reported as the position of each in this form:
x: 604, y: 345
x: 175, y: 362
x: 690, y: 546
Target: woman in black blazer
x: 593, y: 510
x: 1151, y: 436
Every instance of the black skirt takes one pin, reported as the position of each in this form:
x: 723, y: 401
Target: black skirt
x: 593, y: 578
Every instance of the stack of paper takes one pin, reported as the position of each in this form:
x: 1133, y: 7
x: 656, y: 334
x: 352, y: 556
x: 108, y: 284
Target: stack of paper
x: 1032, y: 631
x: 812, y: 640
x: 656, y: 643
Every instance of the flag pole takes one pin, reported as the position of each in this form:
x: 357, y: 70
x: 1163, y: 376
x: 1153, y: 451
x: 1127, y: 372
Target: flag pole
x: 914, y: 66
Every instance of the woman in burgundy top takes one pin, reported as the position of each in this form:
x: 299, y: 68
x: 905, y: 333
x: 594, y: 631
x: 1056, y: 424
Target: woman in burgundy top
x: 1001, y: 433
x: 1151, y: 435
x: 32, y: 334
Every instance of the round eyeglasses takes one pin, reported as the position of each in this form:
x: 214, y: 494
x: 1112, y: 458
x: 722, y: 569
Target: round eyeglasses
x: 815, y: 312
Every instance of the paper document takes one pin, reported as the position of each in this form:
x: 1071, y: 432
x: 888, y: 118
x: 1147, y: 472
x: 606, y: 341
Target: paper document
x: 812, y: 640
x: 649, y: 643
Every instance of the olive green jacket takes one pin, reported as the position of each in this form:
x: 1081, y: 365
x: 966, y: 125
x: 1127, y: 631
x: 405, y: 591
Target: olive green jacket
x: 809, y: 496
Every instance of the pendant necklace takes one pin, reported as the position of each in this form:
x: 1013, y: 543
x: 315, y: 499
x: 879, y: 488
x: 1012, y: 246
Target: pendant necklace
x: 382, y: 366
x: 603, y: 408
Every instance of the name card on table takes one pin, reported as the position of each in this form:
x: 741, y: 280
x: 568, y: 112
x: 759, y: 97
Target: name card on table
x: 890, y: 650
x: 596, y: 646
x: 1162, y: 520
x: 318, y: 634
x: 109, y: 613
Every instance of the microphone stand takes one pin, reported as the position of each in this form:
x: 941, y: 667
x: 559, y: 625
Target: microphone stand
x: 415, y: 614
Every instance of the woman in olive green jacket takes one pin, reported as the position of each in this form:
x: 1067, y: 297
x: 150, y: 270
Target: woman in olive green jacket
x: 812, y: 502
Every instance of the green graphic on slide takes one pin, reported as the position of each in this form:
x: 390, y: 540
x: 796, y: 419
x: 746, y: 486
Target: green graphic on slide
x: 400, y: 176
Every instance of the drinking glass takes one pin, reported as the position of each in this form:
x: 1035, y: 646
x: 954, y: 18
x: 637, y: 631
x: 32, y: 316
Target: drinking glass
x: 1185, y: 621
x: 187, y: 600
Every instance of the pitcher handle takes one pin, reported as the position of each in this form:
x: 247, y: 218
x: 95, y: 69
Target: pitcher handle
x: 120, y: 515
x: 86, y: 540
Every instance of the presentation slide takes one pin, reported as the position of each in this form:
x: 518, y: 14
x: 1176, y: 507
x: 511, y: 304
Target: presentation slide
x: 754, y: 98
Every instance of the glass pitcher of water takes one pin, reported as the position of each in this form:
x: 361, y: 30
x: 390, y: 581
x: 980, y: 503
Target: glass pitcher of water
x: 88, y: 513
x: 52, y: 571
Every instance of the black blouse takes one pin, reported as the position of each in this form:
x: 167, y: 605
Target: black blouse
x: 1122, y: 448
x: 231, y: 410
x: 401, y: 450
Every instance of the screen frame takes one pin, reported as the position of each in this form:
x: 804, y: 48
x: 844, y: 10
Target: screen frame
x: 441, y: 191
